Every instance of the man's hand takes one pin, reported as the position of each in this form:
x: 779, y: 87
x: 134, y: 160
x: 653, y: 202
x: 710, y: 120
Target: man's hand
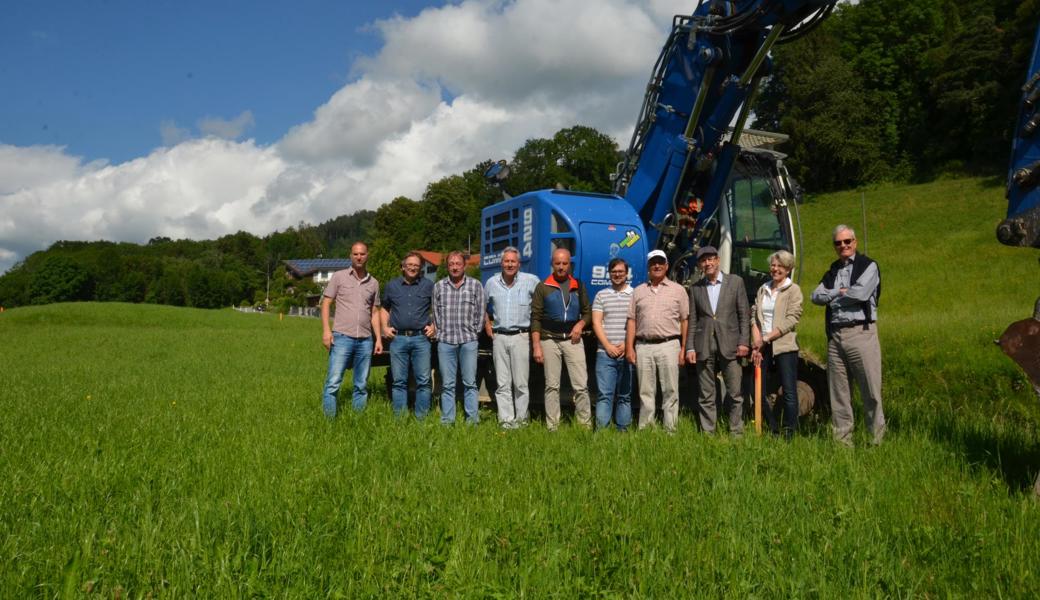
x: 389, y: 332
x: 326, y: 340
x: 536, y: 353
x: 576, y: 332
x: 756, y: 357
x: 378, y: 348
x: 630, y: 355
x: 841, y: 291
x: 742, y: 351
x: 430, y: 330
x: 691, y: 357
x: 682, y: 359
x: 616, y: 351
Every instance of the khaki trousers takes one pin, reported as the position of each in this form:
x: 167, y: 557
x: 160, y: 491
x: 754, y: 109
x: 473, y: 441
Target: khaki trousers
x: 855, y: 355
x: 708, y: 368
x: 555, y: 353
x: 512, y: 355
x: 658, y: 364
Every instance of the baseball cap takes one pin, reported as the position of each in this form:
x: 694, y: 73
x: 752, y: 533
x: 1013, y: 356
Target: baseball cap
x: 706, y: 251
x: 656, y: 254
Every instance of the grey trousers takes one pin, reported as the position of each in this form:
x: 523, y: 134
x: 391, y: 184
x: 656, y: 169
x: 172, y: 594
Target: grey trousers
x: 658, y: 364
x: 511, y: 354
x: 707, y: 375
x: 855, y: 355
x: 555, y: 354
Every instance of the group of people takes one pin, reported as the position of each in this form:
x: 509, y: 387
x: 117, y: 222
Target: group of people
x: 644, y: 334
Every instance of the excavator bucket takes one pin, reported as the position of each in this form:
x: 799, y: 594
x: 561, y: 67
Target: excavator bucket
x: 1021, y: 342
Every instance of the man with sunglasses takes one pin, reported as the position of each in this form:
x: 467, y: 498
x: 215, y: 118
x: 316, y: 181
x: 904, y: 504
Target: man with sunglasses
x: 850, y: 290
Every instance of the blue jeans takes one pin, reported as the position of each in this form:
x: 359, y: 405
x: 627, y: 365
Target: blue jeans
x: 347, y: 353
x: 786, y: 364
x: 411, y: 351
x: 452, y: 358
x: 613, y: 376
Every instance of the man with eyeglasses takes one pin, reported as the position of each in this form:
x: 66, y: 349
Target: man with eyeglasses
x: 408, y: 324
x: 657, y: 321
x: 613, y: 371
x: 508, y: 324
x: 720, y: 333
x: 850, y: 290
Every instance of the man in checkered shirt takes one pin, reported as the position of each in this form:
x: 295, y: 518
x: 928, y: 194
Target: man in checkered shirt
x: 458, y: 313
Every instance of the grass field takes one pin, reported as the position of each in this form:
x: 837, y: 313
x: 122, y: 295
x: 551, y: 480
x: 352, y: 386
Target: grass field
x: 158, y: 451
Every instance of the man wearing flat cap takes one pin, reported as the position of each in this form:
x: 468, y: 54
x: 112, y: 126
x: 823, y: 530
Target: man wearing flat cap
x: 657, y: 319
x: 718, y: 338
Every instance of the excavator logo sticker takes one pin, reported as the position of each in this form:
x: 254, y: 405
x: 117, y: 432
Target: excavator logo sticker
x: 631, y: 237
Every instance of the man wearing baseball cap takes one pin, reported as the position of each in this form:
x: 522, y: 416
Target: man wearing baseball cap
x: 656, y: 327
x: 719, y: 334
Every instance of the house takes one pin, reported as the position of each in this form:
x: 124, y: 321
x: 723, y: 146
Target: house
x: 320, y: 270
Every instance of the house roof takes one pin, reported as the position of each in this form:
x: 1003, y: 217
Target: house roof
x: 302, y: 267
x: 436, y: 258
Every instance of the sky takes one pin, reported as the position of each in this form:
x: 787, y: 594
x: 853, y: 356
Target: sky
x: 127, y: 120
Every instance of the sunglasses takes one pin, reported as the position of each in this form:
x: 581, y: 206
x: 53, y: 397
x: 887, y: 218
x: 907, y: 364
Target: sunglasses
x: 848, y: 242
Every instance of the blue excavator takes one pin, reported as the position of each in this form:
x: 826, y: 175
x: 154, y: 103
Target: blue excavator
x: 689, y: 178
x: 1021, y: 340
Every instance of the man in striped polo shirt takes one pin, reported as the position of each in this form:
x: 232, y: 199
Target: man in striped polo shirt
x: 613, y: 371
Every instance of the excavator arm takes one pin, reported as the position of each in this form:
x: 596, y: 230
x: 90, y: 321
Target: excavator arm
x: 679, y: 160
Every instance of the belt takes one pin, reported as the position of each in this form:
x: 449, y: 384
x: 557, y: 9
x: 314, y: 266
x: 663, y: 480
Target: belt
x: 516, y: 331
x: 847, y: 324
x: 410, y: 332
x: 645, y: 340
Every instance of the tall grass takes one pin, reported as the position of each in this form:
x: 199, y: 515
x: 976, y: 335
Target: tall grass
x: 156, y: 451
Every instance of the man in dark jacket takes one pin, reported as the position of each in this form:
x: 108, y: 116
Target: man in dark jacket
x: 717, y: 337
x: 560, y: 311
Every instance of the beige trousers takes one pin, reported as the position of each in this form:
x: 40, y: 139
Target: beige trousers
x: 658, y: 365
x: 555, y: 353
x: 855, y: 355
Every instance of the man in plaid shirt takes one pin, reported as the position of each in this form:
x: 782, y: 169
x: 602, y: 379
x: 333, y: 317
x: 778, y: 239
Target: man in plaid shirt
x: 458, y: 313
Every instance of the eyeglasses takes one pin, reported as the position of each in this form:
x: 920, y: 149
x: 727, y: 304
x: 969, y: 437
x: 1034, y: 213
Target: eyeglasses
x: 846, y: 242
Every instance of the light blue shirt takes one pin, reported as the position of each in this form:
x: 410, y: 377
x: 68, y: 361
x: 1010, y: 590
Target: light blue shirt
x: 713, y: 292
x: 848, y: 307
x: 510, y: 306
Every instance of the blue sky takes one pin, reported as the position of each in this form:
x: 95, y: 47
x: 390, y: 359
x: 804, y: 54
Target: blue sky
x: 101, y: 77
x: 127, y: 120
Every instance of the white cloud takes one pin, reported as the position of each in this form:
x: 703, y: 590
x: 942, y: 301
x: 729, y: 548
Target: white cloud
x: 172, y: 134
x: 227, y: 129
x: 451, y: 87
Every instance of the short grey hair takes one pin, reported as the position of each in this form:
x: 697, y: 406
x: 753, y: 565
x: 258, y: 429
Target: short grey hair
x: 784, y: 258
x: 841, y: 228
x: 512, y: 249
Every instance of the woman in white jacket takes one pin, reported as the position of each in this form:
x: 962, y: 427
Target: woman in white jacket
x: 778, y: 307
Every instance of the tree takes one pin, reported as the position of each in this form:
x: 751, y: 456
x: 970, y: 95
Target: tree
x: 60, y: 279
x: 578, y: 158
x: 813, y: 96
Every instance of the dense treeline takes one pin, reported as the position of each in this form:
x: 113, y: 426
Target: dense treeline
x: 246, y: 269
x: 897, y: 90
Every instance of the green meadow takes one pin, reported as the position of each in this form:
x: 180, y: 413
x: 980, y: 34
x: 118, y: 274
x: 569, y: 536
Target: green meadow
x: 152, y: 451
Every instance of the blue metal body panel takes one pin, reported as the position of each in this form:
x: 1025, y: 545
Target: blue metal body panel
x: 595, y: 227
x: 1024, y: 196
